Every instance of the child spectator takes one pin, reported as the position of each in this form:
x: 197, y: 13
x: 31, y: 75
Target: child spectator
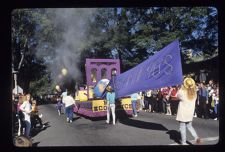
x: 35, y: 116
x: 59, y: 105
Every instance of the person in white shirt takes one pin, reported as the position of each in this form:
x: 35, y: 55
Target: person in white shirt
x: 26, y: 109
x: 69, y: 104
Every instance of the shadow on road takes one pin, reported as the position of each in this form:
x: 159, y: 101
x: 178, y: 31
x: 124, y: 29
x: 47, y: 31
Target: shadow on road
x: 143, y: 124
x: 125, y: 119
x: 174, y: 135
x: 37, y: 130
x: 35, y: 144
x: 76, y: 118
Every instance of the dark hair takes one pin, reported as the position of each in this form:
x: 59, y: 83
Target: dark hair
x: 69, y: 92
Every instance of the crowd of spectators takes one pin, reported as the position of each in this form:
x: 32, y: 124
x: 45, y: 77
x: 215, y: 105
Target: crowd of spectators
x: 165, y: 100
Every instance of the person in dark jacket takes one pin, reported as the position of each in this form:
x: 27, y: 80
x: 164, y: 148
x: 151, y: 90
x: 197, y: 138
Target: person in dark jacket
x: 203, y: 100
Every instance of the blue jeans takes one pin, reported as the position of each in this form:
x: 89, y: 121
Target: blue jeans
x: 216, y: 107
x: 27, y: 128
x: 69, y: 112
x: 134, y: 107
x: 183, y: 126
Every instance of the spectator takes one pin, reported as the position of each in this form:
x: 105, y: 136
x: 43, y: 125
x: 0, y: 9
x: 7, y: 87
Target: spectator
x: 174, y: 100
x: 26, y: 109
x: 59, y: 105
x: 160, y: 101
x: 154, y: 99
x: 187, y: 96
x: 134, y: 98
x: 203, y: 101
x: 35, y: 116
x: 215, y: 98
x: 141, y: 96
x: 20, y: 115
x: 148, y: 104
x: 197, y: 109
x: 168, y: 107
x: 211, y: 89
x: 110, y: 98
x: 165, y: 92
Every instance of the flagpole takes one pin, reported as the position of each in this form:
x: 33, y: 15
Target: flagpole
x: 113, y: 80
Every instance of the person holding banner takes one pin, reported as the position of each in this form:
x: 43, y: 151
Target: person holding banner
x: 187, y: 96
x: 110, y: 98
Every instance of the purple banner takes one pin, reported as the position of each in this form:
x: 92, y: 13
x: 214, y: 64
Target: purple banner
x: 160, y: 70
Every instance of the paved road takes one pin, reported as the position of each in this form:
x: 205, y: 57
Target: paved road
x: 146, y: 129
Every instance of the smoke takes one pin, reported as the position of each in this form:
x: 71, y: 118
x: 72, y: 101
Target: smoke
x: 73, y: 40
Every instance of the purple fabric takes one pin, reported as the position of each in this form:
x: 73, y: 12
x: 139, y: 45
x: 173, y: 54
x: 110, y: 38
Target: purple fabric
x: 160, y: 70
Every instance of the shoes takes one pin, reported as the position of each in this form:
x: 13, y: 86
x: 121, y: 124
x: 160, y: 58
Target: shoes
x: 215, y: 119
x: 114, y: 123
x: 107, y: 122
x: 198, y: 141
x: 71, y: 121
x: 67, y: 119
x: 135, y: 115
x: 43, y: 126
x: 184, y: 144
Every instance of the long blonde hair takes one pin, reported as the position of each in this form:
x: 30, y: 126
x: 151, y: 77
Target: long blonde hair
x: 191, y: 92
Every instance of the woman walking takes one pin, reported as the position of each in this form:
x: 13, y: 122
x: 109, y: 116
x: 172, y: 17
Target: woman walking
x: 26, y: 109
x: 69, y: 105
x: 187, y: 95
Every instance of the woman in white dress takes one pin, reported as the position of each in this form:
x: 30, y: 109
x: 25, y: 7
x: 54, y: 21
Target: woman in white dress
x: 26, y: 109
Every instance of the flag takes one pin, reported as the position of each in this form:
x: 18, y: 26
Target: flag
x: 160, y: 70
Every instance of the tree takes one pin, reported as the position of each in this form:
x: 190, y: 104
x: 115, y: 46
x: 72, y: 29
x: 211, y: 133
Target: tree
x: 136, y: 33
x: 129, y: 34
x: 25, y: 23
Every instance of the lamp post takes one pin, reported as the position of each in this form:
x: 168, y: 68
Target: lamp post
x: 113, y: 78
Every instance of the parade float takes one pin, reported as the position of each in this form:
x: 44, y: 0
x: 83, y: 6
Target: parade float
x: 89, y: 100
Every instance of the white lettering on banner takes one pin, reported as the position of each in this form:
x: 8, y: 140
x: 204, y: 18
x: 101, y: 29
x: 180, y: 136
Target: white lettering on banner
x: 170, y: 57
x: 155, y: 70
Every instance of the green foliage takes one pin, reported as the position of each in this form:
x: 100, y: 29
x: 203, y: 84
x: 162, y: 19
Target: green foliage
x: 129, y: 34
x: 139, y: 32
x: 41, y: 87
